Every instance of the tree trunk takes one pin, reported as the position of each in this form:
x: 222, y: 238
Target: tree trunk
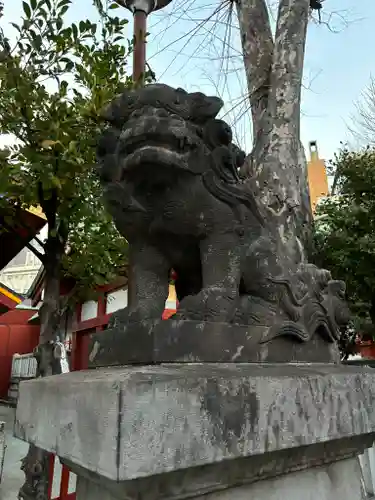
x: 35, y: 465
x: 50, y: 310
x: 276, y: 167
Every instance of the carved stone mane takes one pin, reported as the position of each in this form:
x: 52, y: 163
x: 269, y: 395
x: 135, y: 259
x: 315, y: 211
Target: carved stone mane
x: 220, y: 173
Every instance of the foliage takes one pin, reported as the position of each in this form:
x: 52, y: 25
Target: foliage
x: 345, y: 231
x: 54, y: 80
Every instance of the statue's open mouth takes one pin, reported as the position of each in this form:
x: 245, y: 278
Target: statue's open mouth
x: 167, y: 142
x: 168, y: 150
x: 151, y: 157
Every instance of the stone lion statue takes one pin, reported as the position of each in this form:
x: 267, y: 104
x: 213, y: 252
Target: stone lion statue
x: 169, y: 170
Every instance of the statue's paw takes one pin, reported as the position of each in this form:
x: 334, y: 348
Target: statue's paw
x: 190, y: 308
x: 210, y: 304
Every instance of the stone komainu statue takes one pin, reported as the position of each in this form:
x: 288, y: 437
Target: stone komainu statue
x: 169, y: 171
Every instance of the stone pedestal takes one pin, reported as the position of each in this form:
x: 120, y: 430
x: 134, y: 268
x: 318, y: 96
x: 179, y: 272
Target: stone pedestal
x: 223, y: 431
x: 178, y: 341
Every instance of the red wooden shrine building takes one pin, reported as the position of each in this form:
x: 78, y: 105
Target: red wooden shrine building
x: 17, y: 228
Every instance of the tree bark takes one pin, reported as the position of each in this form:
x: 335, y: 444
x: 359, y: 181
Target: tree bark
x: 276, y: 167
x: 50, y: 310
x: 287, y: 67
x: 257, y: 49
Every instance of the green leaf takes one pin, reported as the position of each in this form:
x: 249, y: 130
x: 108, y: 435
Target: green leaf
x: 33, y: 4
x: 75, y: 31
x: 59, y: 23
x: 64, y: 10
x: 16, y: 27
x: 26, y: 9
x: 114, y: 6
x: 63, y: 3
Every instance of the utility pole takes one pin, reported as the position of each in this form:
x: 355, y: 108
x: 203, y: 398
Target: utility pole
x: 140, y: 10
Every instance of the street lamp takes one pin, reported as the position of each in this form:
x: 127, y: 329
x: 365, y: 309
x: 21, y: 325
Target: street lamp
x: 140, y: 10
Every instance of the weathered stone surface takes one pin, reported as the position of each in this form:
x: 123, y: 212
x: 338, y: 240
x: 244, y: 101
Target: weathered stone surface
x: 341, y: 480
x: 170, y: 175
x: 132, y: 422
x: 149, y: 342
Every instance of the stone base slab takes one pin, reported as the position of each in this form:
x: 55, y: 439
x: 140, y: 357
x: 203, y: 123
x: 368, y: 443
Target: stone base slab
x: 128, y: 423
x: 339, y: 480
x: 177, y: 341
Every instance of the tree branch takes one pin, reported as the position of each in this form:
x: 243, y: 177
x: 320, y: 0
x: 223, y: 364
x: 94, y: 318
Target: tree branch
x: 257, y: 46
x: 287, y: 67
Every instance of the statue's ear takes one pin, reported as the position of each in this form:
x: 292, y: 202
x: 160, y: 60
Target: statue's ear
x: 111, y: 110
x: 107, y: 142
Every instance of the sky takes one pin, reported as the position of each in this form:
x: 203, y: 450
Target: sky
x: 185, y: 52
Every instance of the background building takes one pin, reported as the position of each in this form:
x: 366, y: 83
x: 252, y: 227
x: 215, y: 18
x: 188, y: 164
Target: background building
x: 21, y: 271
x: 317, y: 176
x: 18, y: 228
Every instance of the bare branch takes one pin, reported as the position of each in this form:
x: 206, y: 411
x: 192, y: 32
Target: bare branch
x: 363, y: 122
x: 336, y: 21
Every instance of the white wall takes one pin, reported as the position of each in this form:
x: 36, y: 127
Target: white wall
x: 116, y: 300
x: 89, y: 310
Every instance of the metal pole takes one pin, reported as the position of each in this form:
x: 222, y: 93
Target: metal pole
x: 139, y: 54
x: 140, y: 10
